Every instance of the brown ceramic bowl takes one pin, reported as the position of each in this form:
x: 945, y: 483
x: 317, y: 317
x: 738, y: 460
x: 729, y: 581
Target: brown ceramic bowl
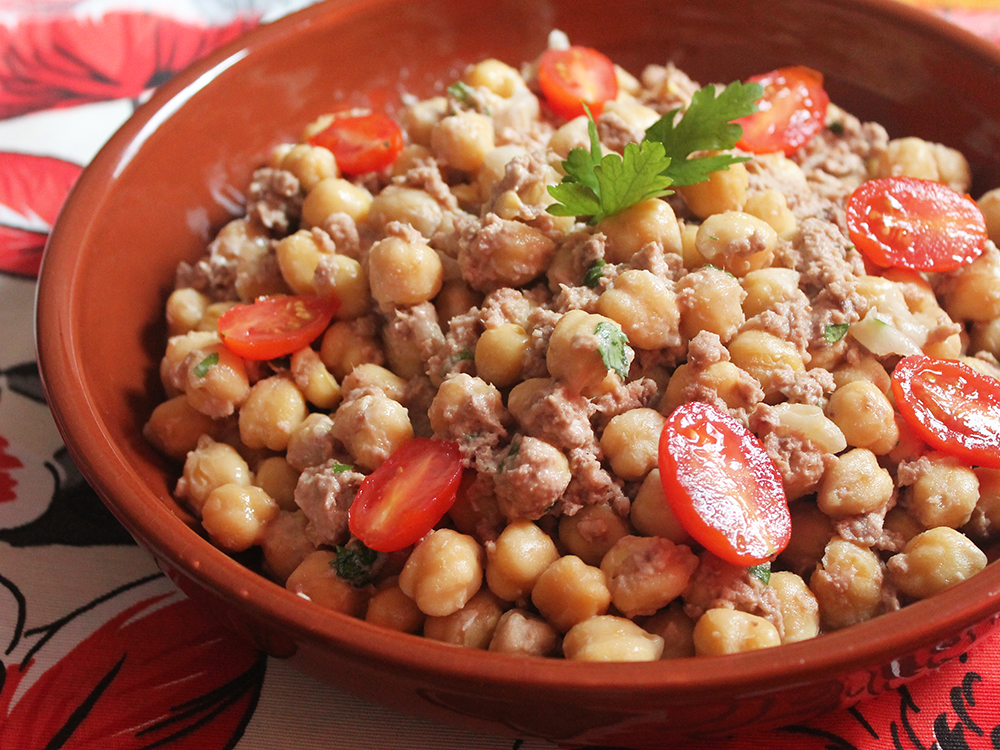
x: 152, y: 197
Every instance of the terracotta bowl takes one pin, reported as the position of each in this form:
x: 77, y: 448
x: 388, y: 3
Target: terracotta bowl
x: 158, y: 190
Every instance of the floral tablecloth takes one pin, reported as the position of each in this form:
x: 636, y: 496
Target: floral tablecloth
x: 97, y: 648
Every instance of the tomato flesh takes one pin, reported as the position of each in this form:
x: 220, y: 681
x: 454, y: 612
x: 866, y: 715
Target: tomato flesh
x: 951, y: 406
x: 904, y: 222
x: 574, y: 77
x: 791, y: 111
x: 405, y: 497
x: 361, y: 142
x: 275, y: 326
x: 722, y: 485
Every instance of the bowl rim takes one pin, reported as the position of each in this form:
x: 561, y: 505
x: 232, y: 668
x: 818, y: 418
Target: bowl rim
x: 62, y: 368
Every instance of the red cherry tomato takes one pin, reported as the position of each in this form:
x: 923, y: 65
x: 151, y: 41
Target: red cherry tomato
x: 361, y: 141
x: 792, y: 110
x: 406, y: 496
x: 722, y: 485
x: 953, y: 407
x: 275, y: 326
x: 570, y: 78
x: 923, y: 225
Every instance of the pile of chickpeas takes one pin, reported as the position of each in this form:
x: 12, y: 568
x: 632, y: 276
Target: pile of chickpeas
x: 467, y: 313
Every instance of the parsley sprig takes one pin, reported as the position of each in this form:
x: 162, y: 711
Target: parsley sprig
x: 597, y: 185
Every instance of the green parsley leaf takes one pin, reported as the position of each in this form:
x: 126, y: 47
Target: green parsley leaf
x: 462, y: 92
x: 356, y: 563
x: 463, y: 355
x: 706, y: 125
x: 339, y: 468
x: 201, y: 369
x: 761, y: 572
x: 614, y: 348
x: 598, y: 185
x: 834, y: 332
x: 593, y: 276
x: 837, y: 128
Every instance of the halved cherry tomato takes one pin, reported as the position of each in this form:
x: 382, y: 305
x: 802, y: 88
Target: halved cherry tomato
x: 407, y: 495
x: 275, y: 326
x: 570, y: 78
x: 792, y: 110
x: 923, y: 225
x: 722, y: 485
x: 361, y: 141
x: 953, y: 407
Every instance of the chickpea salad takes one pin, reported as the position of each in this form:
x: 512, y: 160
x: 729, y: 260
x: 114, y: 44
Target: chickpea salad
x: 569, y: 362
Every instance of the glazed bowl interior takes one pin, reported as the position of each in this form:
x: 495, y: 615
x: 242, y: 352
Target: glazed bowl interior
x: 170, y: 178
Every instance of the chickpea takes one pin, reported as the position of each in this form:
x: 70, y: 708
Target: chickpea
x: 847, y: 584
x: 591, y: 532
x: 767, y: 287
x: 335, y: 195
x: 645, y: 308
x: 854, y: 484
x: 731, y: 631
x: 472, y: 626
x: 944, y: 494
x: 498, y: 77
x: 631, y: 442
x: 272, y: 411
x: 175, y: 426
x: 610, y: 638
x: 419, y: 119
x: 285, y: 544
x: 933, y: 561
x: 278, y: 478
x: 736, y: 242
x: 500, y: 354
x: 185, y: 309
x: 651, y: 514
x: 524, y: 633
x: 676, y: 629
x: 408, y: 206
x: 369, y: 375
x: 462, y: 140
x: 345, y: 346
x: 403, y: 273
x: 312, y: 378
x: 570, y: 591
x: 724, y: 190
x: 208, y: 466
x: 865, y: 416
x: 443, y: 572
x: 761, y: 353
x: 812, y: 529
x: 391, y: 608
x: 236, y: 515
x: 646, y: 573
x: 575, y: 348
x: 344, y: 278
x: 710, y: 300
x: 989, y: 204
x: 505, y: 253
x: 519, y: 556
x: 215, y: 380
x: 316, y: 579
x: 771, y: 206
x: 799, y: 609
x: 309, y: 164
x: 986, y: 516
x: 630, y: 230
x: 974, y: 291
x: 371, y: 428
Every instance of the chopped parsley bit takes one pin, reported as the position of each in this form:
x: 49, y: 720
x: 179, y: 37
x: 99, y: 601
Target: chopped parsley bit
x: 339, y: 468
x: 837, y: 128
x: 201, y: 369
x: 761, y: 572
x: 464, y: 94
x: 598, y: 185
x: 593, y: 276
x: 465, y: 354
x: 614, y: 348
x: 512, y: 451
x: 834, y: 332
x: 356, y: 563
